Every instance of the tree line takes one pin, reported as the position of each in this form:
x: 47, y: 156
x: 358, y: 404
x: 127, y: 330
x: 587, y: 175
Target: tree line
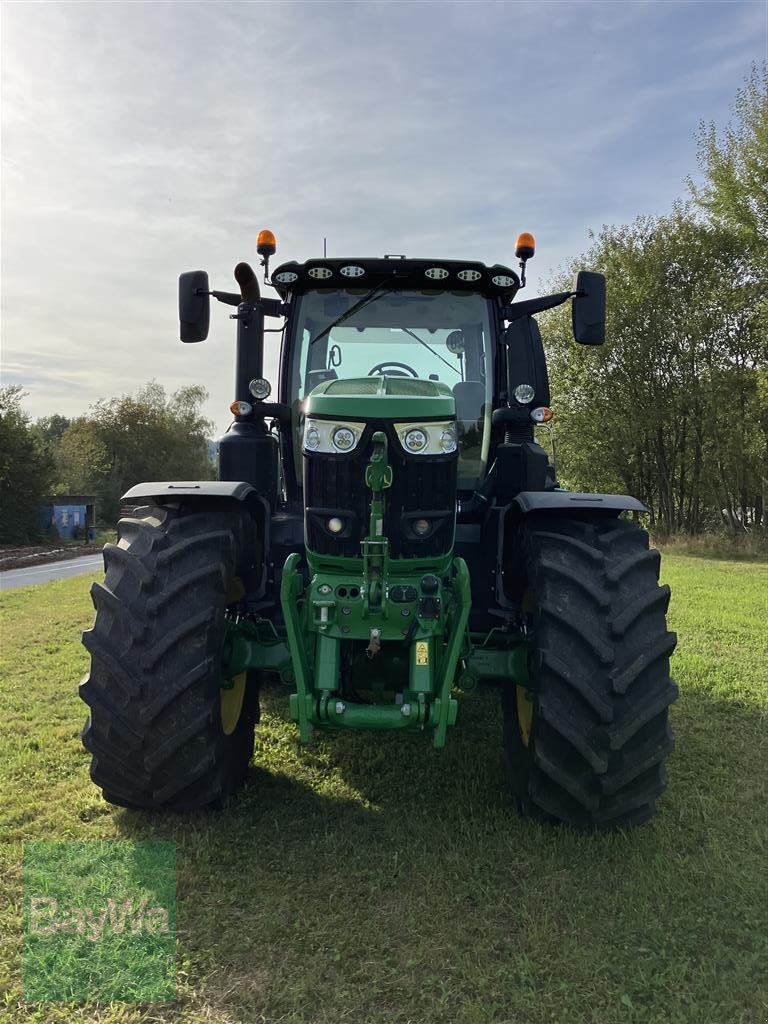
x: 119, y: 442
x: 674, y: 407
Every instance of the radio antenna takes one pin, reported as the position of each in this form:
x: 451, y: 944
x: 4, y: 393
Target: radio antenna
x: 325, y: 253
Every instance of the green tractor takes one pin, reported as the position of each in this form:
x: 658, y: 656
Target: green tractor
x: 385, y: 534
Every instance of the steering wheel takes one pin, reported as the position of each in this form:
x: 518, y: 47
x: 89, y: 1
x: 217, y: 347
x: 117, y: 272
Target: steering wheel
x: 381, y: 368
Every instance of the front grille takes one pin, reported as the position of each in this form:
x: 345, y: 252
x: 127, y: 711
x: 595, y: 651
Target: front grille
x: 421, y: 485
x: 335, y: 485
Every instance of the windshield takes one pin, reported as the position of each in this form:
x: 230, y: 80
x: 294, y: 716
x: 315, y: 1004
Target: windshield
x: 433, y: 335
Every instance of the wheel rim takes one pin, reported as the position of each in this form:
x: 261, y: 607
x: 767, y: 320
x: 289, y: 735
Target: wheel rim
x: 231, y: 703
x: 524, y: 714
x: 232, y: 695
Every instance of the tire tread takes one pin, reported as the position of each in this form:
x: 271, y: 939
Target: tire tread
x: 602, y: 688
x: 154, y: 732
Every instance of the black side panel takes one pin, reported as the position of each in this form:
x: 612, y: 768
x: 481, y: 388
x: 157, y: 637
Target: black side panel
x: 519, y: 467
x: 477, y: 544
x: 247, y: 452
x: 526, y: 363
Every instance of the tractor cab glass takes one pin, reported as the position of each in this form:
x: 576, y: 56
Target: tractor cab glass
x: 432, y: 335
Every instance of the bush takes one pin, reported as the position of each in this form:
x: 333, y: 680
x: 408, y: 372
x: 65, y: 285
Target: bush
x: 25, y: 472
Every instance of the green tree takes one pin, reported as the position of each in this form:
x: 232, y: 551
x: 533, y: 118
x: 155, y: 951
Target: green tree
x: 674, y: 408
x: 25, y: 471
x: 51, y: 429
x: 123, y: 441
x: 734, y: 198
x: 669, y: 408
x: 82, y: 458
x: 734, y: 162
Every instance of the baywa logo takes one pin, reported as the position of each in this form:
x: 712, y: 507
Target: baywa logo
x: 127, y: 918
x: 99, y: 921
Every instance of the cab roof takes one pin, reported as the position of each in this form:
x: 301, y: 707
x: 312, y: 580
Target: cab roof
x: 398, y: 272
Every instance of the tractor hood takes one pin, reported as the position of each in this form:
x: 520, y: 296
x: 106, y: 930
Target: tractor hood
x: 381, y: 398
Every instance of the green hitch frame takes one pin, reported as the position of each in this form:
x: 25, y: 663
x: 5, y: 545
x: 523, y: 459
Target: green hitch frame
x: 444, y: 706
x: 308, y: 654
x: 432, y: 659
x: 290, y: 592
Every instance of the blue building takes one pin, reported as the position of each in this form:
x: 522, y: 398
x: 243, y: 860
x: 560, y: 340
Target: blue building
x: 72, y: 516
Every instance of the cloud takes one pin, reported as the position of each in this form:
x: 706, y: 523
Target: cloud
x: 143, y: 140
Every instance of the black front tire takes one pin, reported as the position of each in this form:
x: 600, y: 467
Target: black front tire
x: 156, y: 730
x: 590, y: 752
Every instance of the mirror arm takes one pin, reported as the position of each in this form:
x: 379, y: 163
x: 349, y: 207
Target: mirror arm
x: 229, y: 298
x: 531, y: 306
x: 271, y: 307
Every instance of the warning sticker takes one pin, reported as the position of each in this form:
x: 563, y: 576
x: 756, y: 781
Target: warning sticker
x: 422, y: 652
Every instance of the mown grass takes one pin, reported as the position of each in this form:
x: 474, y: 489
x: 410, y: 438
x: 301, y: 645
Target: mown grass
x: 371, y: 879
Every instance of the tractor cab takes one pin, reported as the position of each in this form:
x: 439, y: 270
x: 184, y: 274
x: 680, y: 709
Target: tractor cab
x: 411, y: 319
x: 406, y: 334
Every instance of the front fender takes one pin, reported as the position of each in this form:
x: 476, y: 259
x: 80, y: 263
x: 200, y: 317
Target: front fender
x: 575, y: 501
x: 170, y: 491
x: 558, y: 505
x: 163, y: 492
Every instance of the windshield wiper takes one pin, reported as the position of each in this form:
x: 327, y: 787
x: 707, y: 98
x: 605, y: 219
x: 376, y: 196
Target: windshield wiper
x: 430, y: 349
x: 372, y: 295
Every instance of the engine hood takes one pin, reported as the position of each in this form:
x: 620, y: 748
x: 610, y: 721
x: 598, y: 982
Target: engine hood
x: 381, y: 398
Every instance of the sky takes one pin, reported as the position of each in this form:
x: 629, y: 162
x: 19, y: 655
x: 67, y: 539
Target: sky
x: 141, y: 140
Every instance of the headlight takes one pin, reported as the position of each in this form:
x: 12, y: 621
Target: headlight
x: 524, y: 394
x: 415, y: 439
x: 260, y: 388
x: 448, y: 439
x: 428, y: 438
x: 331, y: 436
x: 343, y: 439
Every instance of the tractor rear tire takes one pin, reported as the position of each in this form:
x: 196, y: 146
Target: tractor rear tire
x: 164, y: 730
x: 586, y: 745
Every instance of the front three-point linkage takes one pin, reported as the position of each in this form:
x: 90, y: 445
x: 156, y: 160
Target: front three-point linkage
x: 375, y: 547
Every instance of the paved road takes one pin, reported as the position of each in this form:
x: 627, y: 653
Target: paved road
x: 12, y: 578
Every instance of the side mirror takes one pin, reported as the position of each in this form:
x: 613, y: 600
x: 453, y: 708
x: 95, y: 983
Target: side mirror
x: 588, y: 308
x: 194, y: 306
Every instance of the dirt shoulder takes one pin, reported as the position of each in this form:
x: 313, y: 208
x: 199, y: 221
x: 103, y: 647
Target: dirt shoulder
x: 39, y: 554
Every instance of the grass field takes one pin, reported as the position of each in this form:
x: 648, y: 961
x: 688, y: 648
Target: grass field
x: 371, y: 879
